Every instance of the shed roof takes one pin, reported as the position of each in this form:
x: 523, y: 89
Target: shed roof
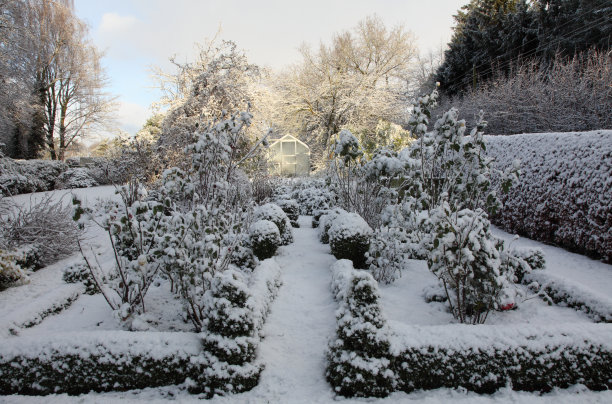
x: 290, y: 137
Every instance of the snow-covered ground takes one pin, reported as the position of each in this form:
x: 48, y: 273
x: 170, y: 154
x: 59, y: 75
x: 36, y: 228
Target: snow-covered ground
x: 590, y: 274
x: 302, y: 320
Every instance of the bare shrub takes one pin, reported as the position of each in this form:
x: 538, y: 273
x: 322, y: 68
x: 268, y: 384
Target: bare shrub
x: 44, y: 223
x: 567, y: 95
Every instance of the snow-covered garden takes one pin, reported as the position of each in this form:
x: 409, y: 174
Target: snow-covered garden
x: 380, y: 277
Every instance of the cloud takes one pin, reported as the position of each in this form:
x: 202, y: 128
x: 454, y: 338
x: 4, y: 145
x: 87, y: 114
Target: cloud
x: 113, y: 23
x: 131, y: 117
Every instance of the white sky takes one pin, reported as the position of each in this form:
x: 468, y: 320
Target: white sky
x: 139, y: 33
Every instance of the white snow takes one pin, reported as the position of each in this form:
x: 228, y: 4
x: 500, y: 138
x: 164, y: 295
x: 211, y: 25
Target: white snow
x: 300, y: 323
x: 590, y: 274
x: 298, y: 326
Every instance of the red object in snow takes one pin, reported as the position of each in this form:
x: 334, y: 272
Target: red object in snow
x: 508, y: 306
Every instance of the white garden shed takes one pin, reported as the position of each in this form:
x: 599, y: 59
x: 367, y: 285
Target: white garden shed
x: 290, y: 157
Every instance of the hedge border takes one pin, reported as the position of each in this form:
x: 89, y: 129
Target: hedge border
x: 484, y: 358
x: 571, y: 295
x: 78, y: 363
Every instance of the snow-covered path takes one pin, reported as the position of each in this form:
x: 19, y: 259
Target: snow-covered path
x: 299, y: 324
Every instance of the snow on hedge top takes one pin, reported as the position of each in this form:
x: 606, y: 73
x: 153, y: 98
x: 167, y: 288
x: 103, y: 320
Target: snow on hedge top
x: 112, y: 345
x: 348, y: 225
x: 461, y: 337
x: 263, y: 229
x: 564, y: 194
x: 263, y: 284
x: 271, y: 212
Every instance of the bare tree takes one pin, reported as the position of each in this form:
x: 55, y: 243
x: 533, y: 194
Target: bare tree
x: 354, y: 82
x: 17, y: 99
x: 68, y: 76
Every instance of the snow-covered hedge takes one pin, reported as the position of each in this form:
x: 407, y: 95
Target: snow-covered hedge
x: 231, y: 341
x: 315, y: 198
x: 264, y: 239
x: 34, y: 312
x: 291, y: 208
x: 349, y: 238
x: 264, y: 284
x: 485, y: 358
x: 481, y: 358
x: 77, y: 177
x: 275, y: 214
x: 24, y: 176
x: 359, y: 360
x: 559, y: 291
x: 77, y: 363
x: 325, y: 222
x: 220, y: 361
x: 564, y: 193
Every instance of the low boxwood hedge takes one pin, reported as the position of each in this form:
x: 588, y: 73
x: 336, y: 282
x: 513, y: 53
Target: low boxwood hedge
x: 77, y: 363
x: 485, y: 358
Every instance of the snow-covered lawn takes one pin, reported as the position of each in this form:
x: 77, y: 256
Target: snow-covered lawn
x: 300, y: 324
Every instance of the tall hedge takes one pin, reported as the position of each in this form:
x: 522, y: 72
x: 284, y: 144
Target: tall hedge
x: 564, y: 195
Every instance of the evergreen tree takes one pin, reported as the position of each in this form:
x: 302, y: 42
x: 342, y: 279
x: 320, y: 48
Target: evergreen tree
x: 494, y: 36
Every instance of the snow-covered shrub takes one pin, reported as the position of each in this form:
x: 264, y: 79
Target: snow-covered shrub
x: 275, y: 214
x: 79, y: 272
x: 105, y: 171
x: 386, y: 255
x: 29, y: 256
x: 315, y: 198
x: 77, y: 363
x: 75, y: 178
x: 291, y: 209
x: 243, y: 256
x: 363, y: 186
x: 208, y: 212
x: 359, y: 359
x: 42, y: 230
x: 11, y: 273
x: 466, y: 260
x: 485, y: 359
x: 325, y: 222
x: 135, y: 229
x: 264, y: 239
x: 564, y: 194
x: 520, y: 261
x: 316, y: 217
x: 230, y: 336
x: 446, y: 190
x: 349, y: 238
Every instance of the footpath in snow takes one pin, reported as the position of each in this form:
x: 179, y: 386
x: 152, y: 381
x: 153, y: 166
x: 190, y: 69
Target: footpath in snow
x: 301, y: 321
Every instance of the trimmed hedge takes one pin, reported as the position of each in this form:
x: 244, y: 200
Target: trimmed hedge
x: 25, y: 176
x: 559, y: 291
x: 359, y: 361
x: 349, y: 238
x: 564, y: 195
x: 485, y: 358
x: 77, y: 363
x: 264, y: 239
x: 275, y: 214
x: 291, y: 208
x: 480, y: 358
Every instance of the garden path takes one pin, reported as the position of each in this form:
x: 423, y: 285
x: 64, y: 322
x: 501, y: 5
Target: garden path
x: 299, y: 325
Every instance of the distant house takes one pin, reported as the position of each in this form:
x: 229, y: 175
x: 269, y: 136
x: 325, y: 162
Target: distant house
x: 290, y: 157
